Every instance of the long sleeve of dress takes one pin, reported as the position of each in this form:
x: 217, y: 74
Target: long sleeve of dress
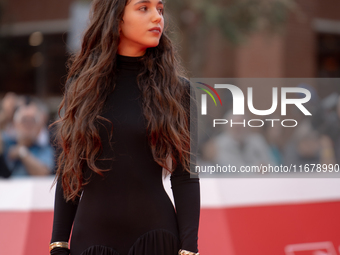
x: 186, y: 192
x: 63, y: 217
x: 64, y: 213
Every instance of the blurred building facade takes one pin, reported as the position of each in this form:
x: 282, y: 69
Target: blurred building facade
x: 34, y: 51
x: 308, y: 47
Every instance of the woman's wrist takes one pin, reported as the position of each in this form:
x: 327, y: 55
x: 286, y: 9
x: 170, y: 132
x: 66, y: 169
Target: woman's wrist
x: 56, y: 245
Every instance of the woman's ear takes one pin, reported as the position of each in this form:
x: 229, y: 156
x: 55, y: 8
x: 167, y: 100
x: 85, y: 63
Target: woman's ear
x: 120, y: 25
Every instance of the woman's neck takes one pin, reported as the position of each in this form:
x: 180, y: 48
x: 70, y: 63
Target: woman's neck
x: 129, y: 62
x: 131, y: 52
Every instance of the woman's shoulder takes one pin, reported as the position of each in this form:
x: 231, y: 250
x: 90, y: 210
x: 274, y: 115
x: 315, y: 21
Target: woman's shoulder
x: 187, y: 84
x: 184, y: 81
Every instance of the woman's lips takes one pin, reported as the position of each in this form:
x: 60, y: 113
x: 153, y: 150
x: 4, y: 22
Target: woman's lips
x: 156, y: 30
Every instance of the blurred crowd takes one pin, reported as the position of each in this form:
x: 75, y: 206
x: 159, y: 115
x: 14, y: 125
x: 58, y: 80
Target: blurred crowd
x: 315, y: 140
x: 25, y: 147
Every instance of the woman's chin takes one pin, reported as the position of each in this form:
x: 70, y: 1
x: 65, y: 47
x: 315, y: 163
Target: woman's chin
x: 153, y: 44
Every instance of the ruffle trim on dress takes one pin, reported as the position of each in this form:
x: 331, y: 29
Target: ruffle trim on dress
x: 156, y: 242
x: 99, y: 250
x: 153, y: 242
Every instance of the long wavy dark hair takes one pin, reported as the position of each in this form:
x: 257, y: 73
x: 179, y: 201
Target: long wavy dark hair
x: 89, y: 81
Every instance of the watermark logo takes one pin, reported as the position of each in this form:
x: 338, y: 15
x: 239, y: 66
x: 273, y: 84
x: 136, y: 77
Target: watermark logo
x: 204, y: 97
x: 239, y: 101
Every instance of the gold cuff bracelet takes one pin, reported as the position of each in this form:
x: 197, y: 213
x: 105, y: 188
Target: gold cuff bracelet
x: 58, y: 244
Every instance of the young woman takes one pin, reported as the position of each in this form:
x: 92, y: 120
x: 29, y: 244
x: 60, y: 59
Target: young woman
x: 127, y: 117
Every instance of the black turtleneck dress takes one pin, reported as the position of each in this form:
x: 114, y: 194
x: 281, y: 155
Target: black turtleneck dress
x: 127, y: 211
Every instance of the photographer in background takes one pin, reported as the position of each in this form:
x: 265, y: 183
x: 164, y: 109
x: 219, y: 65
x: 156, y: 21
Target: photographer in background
x: 9, y: 104
x: 23, y: 154
x: 327, y: 121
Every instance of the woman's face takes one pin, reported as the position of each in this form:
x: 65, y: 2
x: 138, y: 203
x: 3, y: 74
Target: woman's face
x: 136, y: 34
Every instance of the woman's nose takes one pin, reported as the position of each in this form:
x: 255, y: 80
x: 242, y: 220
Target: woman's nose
x: 157, y: 17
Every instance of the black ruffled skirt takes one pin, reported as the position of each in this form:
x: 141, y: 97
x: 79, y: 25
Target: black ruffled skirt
x: 154, y: 242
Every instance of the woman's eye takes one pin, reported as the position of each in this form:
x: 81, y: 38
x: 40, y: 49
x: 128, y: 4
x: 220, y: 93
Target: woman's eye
x: 144, y: 8
x: 161, y: 10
